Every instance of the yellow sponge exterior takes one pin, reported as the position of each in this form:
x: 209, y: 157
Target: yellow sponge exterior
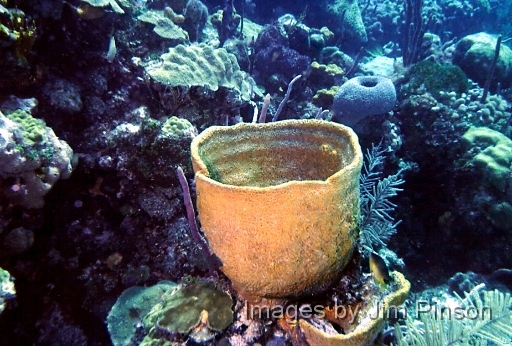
x: 279, y: 203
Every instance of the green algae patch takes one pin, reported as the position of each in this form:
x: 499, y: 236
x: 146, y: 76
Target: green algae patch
x: 438, y: 77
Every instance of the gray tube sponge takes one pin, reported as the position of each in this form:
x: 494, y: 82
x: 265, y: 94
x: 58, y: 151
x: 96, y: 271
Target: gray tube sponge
x: 362, y: 96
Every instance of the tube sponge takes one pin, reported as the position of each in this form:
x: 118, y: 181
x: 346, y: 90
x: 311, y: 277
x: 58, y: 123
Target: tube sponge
x: 362, y: 96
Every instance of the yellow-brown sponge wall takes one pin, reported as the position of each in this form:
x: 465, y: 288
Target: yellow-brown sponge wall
x: 279, y: 203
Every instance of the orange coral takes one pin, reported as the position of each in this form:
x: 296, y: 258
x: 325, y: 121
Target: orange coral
x: 279, y: 203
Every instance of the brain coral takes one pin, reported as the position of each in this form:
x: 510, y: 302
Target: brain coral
x: 200, y: 65
x: 495, y: 156
x: 474, y: 55
x: 362, y: 96
x: 175, y: 126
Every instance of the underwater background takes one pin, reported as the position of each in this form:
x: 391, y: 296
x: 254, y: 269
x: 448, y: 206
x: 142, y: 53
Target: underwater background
x: 100, y: 101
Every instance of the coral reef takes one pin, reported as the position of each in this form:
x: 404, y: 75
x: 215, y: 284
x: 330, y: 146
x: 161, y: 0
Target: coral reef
x: 458, y: 213
x: 474, y: 13
x: 119, y: 220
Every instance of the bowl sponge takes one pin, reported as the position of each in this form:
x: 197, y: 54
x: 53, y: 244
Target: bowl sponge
x: 363, y: 96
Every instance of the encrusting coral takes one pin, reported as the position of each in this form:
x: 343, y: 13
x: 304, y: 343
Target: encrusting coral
x: 279, y: 203
x: 131, y: 307
x: 32, y: 159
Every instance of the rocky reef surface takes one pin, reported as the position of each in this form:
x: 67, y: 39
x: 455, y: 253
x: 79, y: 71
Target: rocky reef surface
x: 101, y: 99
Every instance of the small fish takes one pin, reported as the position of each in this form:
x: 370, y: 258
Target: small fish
x: 89, y: 12
x: 112, y: 50
x: 86, y: 11
x: 379, y: 270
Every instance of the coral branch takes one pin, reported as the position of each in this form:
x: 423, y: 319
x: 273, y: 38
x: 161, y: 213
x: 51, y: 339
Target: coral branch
x: 490, y: 73
x: 413, y: 31
x: 264, y: 109
x: 283, y: 102
x: 191, y: 217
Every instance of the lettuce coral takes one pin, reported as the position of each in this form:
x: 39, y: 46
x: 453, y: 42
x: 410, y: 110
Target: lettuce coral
x: 131, y: 306
x: 200, y: 65
x: 197, y: 310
